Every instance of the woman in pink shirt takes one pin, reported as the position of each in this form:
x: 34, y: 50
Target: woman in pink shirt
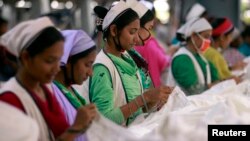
x: 158, y: 61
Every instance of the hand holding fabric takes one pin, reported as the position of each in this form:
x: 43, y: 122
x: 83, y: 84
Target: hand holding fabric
x: 84, y: 117
x: 156, y: 95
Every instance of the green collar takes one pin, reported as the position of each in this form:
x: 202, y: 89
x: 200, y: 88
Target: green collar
x: 125, y: 64
x: 74, y: 98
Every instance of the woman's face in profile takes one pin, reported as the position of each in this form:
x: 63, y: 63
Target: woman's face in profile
x: 144, y: 32
x: 44, y: 66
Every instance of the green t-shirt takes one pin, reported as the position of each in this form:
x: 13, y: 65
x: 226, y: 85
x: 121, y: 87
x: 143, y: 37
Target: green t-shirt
x: 185, y: 74
x: 101, y: 92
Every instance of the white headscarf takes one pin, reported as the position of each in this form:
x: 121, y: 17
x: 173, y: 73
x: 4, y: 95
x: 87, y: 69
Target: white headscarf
x: 16, y: 126
x: 236, y: 33
x: 138, y: 7
x: 194, y: 26
x: 20, y: 36
x: 148, y: 4
x: 76, y: 41
x: 114, y: 11
x: 195, y: 12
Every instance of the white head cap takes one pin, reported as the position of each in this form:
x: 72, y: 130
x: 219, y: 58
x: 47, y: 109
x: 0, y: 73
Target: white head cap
x: 195, y: 12
x: 20, y: 36
x: 76, y: 41
x: 194, y: 25
x: 138, y: 7
x: 236, y: 33
x: 113, y: 13
x: 148, y: 4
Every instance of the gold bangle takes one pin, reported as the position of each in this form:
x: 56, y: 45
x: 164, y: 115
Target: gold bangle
x: 75, y: 131
x: 59, y: 139
x: 144, y: 102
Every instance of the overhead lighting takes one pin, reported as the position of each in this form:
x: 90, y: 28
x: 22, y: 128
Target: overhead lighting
x: 246, y: 1
x: 54, y: 4
x: 161, y: 5
x: 1, y: 3
x: 162, y: 10
x: 23, y: 4
x: 69, y: 4
x: 247, y: 14
x: 20, y: 3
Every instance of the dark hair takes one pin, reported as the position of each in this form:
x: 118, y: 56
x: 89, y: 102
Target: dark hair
x: 246, y: 32
x: 216, y: 22
x: 122, y: 20
x: 204, y: 14
x: 148, y: 16
x: 8, y: 64
x: 45, y: 39
x: 140, y: 62
x: 73, y: 59
x: 100, y: 13
x: 180, y: 37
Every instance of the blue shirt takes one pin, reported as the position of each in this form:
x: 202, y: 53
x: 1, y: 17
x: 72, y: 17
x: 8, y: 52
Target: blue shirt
x: 245, y: 49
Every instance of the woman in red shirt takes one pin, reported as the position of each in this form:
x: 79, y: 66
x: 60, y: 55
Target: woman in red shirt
x: 39, y: 47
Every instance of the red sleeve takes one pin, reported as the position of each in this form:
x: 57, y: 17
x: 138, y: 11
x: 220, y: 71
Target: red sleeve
x: 12, y: 99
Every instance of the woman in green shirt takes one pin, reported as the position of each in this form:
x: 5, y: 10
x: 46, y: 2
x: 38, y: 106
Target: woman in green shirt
x: 146, y: 16
x: 116, y: 86
x: 189, y: 69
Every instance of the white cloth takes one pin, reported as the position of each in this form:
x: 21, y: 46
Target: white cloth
x: 181, y: 117
x: 236, y: 33
x: 29, y: 105
x: 195, y: 12
x: 16, y: 126
x: 115, y: 11
x: 76, y: 41
x: 194, y: 26
x: 20, y: 36
x: 138, y: 7
x: 182, y: 30
x: 104, y: 129
x: 148, y: 4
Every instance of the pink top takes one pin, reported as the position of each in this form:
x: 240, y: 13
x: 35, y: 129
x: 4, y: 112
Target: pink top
x: 157, y: 59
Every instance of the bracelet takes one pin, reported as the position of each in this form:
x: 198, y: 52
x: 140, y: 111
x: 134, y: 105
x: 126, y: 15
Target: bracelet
x: 144, y: 102
x: 59, y: 139
x: 72, y: 131
x: 75, y: 131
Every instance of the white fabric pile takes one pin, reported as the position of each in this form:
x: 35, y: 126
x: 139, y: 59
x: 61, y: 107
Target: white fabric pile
x: 104, y: 129
x: 16, y: 126
x: 183, y: 118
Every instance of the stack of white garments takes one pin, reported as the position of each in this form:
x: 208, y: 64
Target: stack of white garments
x: 183, y: 118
